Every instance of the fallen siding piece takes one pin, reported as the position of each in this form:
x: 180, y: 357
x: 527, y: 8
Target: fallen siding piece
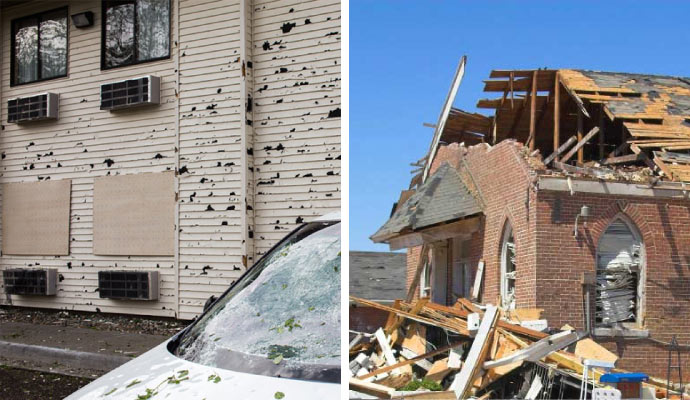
x: 385, y: 347
x: 478, y: 281
x: 535, y: 388
x: 448, y: 395
x: 472, y: 367
x: 383, y: 392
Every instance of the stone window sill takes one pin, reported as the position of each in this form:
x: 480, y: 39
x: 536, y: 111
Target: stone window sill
x: 621, y: 332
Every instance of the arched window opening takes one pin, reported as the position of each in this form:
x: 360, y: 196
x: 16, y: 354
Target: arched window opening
x: 620, y: 262
x: 508, y: 269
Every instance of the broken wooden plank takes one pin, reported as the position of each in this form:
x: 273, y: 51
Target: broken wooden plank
x: 453, y: 326
x: 560, y: 150
x: 475, y: 358
x: 533, y: 111
x: 589, y: 349
x: 393, y: 329
x: 537, y: 350
x: 446, y: 395
x: 595, y: 172
x: 430, y: 354
x: 579, y: 145
x: 385, y: 346
x: 380, y: 391
x: 621, y: 159
x: 439, y: 371
x: 556, y: 114
x: 478, y: 281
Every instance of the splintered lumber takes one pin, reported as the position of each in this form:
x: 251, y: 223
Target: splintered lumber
x: 415, y: 340
x: 412, y: 360
x: 477, y: 354
x: 579, y: 144
x: 385, y: 347
x: 478, y: 281
x: 536, y: 350
x: 392, y: 330
x: 524, y: 314
x: 560, y: 150
x: 439, y: 370
x: 380, y: 391
x: 622, y: 159
x: 453, y: 325
x: 399, y: 379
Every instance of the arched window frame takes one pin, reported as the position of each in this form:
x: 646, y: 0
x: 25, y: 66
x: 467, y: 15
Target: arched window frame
x: 641, y: 284
x: 504, y: 279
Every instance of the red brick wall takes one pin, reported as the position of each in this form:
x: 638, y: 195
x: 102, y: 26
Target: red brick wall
x: 550, y: 261
x: 664, y: 225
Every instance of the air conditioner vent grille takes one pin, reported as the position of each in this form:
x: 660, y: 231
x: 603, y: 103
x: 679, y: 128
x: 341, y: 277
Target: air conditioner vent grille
x: 131, y: 92
x: 33, y: 108
x: 30, y: 281
x: 128, y: 285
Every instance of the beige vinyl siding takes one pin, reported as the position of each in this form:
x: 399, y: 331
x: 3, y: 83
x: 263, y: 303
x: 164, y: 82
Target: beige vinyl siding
x: 75, y: 147
x: 211, y: 148
x: 291, y: 108
x: 202, y: 128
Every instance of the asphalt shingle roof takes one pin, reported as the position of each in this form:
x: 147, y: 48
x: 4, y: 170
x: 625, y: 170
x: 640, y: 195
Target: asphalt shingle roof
x: 377, y: 275
x: 442, y: 198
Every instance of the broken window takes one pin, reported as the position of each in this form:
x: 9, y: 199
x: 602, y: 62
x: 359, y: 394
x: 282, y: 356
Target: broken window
x: 461, y: 269
x: 508, y: 269
x: 619, y: 268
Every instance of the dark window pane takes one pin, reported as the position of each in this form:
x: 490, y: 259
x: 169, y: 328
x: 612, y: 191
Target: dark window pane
x: 53, y: 44
x: 153, y: 26
x: 25, y: 47
x: 119, y: 35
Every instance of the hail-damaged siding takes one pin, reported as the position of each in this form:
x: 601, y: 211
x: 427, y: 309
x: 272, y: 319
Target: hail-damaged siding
x: 78, y: 146
x: 296, y: 114
x: 252, y: 144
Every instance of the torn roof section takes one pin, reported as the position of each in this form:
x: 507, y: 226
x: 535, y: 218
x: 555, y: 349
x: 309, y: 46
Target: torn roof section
x: 443, y: 198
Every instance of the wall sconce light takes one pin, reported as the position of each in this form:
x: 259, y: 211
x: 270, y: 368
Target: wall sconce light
x: 585, y: 212
x: 83, y: 20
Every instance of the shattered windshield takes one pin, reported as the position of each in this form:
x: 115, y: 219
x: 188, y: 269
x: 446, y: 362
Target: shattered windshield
x: 282, y: 317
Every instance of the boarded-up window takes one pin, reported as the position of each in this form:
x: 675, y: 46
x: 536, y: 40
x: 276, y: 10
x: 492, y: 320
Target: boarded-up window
x: 619, y: 264
x: 35, y: 218
x: 134, y: 215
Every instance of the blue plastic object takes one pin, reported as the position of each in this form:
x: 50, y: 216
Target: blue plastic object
x: 624, y: 377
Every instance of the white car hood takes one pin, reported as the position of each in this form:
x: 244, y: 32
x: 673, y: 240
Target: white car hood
x: 153, y: 369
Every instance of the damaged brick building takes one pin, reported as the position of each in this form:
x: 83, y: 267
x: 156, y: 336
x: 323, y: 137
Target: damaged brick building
x: 163, y: 145
x: 570, y: 198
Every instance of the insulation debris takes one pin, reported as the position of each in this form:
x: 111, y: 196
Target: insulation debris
x: 431, y: 351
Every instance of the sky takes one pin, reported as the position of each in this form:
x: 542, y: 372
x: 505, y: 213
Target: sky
x: 403, y: 56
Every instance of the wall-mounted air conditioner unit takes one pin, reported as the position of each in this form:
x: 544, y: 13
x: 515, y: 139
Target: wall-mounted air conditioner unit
x: 22, y: 281
x: 128, y: 285
x: 33, y: 108
x: 136, y: 92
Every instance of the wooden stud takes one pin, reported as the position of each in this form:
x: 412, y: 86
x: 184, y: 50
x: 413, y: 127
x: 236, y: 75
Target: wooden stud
x: 580, y: 129
x: 532, y: 112
x: 561, y: 149
x: 423, y: 256
x: 602, y: 121
x: 556, y: 115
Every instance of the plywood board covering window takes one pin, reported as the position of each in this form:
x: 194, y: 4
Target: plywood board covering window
x: 35, y: 218
x: 134, y: 215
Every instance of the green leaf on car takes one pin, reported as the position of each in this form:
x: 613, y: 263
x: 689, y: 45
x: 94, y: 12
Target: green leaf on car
x: 279, y: 395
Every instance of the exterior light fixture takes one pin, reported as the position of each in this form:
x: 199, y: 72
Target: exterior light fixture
x: 585, y: 212
x: 83, y: 20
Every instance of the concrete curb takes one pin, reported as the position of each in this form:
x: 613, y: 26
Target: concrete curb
x: 69, y: 358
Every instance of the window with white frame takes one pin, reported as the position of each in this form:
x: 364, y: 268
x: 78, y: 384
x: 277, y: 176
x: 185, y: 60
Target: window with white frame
x: 620, y: 267
x: 508, y: 268
x: 39, y: 47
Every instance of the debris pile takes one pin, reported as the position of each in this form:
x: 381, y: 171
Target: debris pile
x: 431, y: 351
